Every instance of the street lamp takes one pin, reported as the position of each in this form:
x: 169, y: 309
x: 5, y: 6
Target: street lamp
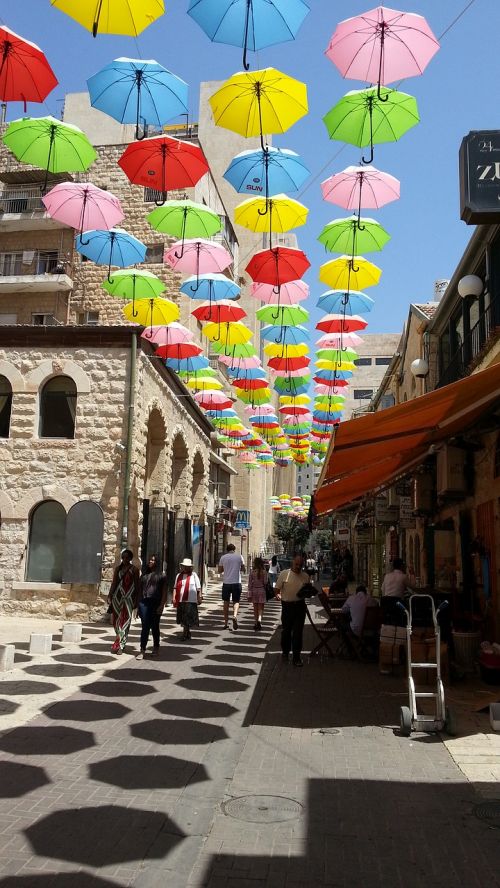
x: 470, y: 285
x: 420, y: 368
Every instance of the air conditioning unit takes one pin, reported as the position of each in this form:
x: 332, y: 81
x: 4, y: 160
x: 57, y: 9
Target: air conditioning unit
x: 451, y: 479
x: 226, y: 504
x: 423, y: 493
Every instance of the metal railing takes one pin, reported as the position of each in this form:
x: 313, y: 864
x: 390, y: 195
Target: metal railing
x: 32, y: 262
x: 22, y: 199
x: 472, y: 346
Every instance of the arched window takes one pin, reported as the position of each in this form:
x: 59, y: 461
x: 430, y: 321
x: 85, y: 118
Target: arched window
x: 58, y: 408
x: 46, y: 543
x: 5, y: 406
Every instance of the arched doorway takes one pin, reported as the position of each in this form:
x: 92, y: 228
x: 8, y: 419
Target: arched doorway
x: 47, y: 530
x: 5, y: 406
x: 180, y: 493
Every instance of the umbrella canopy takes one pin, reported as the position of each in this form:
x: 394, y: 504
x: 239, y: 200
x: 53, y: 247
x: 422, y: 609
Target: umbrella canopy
x: 185, y: 218
x: 285, y: 335
x: 289, y: 294
x: 199, y: 257
x: 257, y: 102
x: 286, y: 315
x: 251, y: 24
x: 134, y: 284
x: 349, y: 271
x: 294, y: 410
x: 238, y: 364
x: 269, y: 172
x: 335, y: 365
x: 25, y: 74
x: 354, y: 235
x: 333, y: 340
x: 182, y: 350
x: 202, y: 383
x: 200, y: 374
x: 197, y: 364
x: 129, y: 17
x: 382, y: 46
x: 331, y: 375
x: 83, y: 206
x: 362, y: 187
x: 239, y: 350
x: 286, y: 351
x: 211, y: 399
x: 297, y: 386
x: 174, y: 334
x: 345, y: 301
x: 249, y: 384
x: 285, y: 365
x: 218, y: 312
x: 230, y: 333
x: 49, y: 144
x: 277, y: 266
x: 299, y: 399
x: 248, y: 373
x: 338, y: 323
x: 114, y: 247
x: 211, y: 287
x: 363, y: 117
x: 336, y: 354
x: 151, y: 312
x: 279, y: 213
x: 163, y: 163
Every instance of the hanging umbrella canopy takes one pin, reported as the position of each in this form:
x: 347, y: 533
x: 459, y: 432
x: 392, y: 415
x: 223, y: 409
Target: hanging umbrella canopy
x: 286, y: 315
x: 132, y: 284
x: 279, y: 214
x: 197, y: 364
x: 113, y: 247
x: 83, y: 206
x: 218, y: 414
x: 277, y: 266
x: 349, y: 271
x: 251, y: 373
x: 338, y: 323
x: 129, y: 17
x: 179, y: 351
x: 213, y: 399
x: 236, y: 365
x: 25, y: 74
x: 200, y: 257
x: 338, y: 341
x: 327, y: 382
x: 49, y: 144
x: 210, y: 287
x: 361, y: 187
x: 218, y: 312
x: 382, y: 46
x: 202, y: 383
x: 269, y: 172
x: 331, y: 375
x: 345, y: 301
x: 256, y: 102
x: 354, y: 235
x: 335, y: 365
x: 336, y: 354
x: 289, y: 294
x: 173, y: 334
x: 229, y: 333
x: 151, y: 312
x: 261, y: 396
x: 285, y: 335
x: 275, y: 350
x: 299, y: 399
x: 297, y: 386
x: 294, y: 409
x: 249, y: 384
x: 239, y: 350
x: 290, y: 374
x: 163, y: 163
x: 185, y: 219
x: 285, y: 365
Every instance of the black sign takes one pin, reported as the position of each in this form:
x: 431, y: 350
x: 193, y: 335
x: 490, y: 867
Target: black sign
x: 480, y: 177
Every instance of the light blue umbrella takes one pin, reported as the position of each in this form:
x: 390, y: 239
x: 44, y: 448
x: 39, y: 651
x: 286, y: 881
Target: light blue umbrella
x: 221, y: 414
x: 321, y: 415
x: 333, y: 374
x: 251, y: 24
x: 269, y: 172
x: 340, y: 301
x: 138, y: 91
x: 285, y: 335
x: 113, y: 247
x: 188, y: 365
x: 250, y: 373
x: 210, y: 287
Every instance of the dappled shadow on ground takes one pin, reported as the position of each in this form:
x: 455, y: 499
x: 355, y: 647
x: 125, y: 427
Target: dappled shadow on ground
x: 147, y: 772
x: 195, y: 708
x: 235, y: 658
x: 57, y: 670
x: 46, y: 740
x: 7, y: 707
x: 178, y: 731
x: 118, y: 689
x: 237, y: 648
x: 17, y: 779
x: 57, y: 880
x: 139, y: 673
x: 213, y: 685
x: 85, y: 710
x: 24, y: 688
x: 224, y: 671
x: 105, y: 835
x: 84, y: 658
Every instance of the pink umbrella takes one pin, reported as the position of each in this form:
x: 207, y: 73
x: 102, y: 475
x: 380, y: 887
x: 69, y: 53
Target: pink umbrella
x: 339, y: 323
x: 357, y: 188
x: 198, y: 257
x: 83, y: 206
x: 172, y: 334
x: 289, y: 373
x: 334, y: 340
x: 240, y: 363
x: 328, y: 390
x: 382, y: 46
x: 260, y: 410
x: 289, y: 294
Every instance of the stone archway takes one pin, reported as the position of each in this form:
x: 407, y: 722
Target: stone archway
x: 198, y: 486
x: 155, y: 479
x: 180, y: 493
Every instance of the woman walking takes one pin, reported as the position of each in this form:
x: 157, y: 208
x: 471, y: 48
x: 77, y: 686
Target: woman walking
x: 187, y: 597
x: 151, y: 591
x: 123, y: 597
x: 257, y: 581
x: 274, y: 570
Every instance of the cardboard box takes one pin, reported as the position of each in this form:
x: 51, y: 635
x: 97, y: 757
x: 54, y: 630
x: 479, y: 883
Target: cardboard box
x: 390, y: 654
x: 390, y: 633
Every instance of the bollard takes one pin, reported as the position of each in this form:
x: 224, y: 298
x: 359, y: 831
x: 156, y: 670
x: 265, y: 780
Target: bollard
x: 7, y: 652
x: 72, y: 633
x: 40, y: 644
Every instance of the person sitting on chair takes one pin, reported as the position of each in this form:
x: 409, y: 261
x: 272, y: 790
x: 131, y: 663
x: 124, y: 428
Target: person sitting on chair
x: 339, y: 585
x: 355, y: 609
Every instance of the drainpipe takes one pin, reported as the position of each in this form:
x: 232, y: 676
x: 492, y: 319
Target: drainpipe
x: 130, y: 434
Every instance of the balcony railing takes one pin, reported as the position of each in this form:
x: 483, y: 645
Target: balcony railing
x: 23, y: 199
x: 471, y: 348
x: 32, y: 262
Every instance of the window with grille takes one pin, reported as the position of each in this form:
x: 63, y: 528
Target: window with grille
x: 362, y: 394
x: 363, y: 362
x: 88, y: 318
x: 151, y: 195
x: 58, y: 408
x: 383, y: 362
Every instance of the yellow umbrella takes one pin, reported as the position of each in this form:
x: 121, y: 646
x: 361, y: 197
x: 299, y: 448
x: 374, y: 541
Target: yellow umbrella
x: 128, y: 17
x: 152, y: 312
x: 295, y: 399
x: 349, y: 273
x: 203, y: 383
x: 252, y: 103
x: 279, y: 213
x: 230, y: 332
x: 286, y: 351
x: 335, y: 365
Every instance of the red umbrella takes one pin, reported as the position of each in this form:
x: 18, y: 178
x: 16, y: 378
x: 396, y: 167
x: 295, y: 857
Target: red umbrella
x: 338, y: 323
x: 179, y: 351
x: 331, y: 383
x: 25, y: 74
x: 213, y: 400
x: 250, y: 383
x: 163, y: 163
x: 277, y: 266
x: 294, y: 409
x: 219, y: 312
x: 286, y: 364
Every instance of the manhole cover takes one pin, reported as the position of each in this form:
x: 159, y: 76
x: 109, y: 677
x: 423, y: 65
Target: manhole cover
x: 262, y: 809
x: 489, y: 812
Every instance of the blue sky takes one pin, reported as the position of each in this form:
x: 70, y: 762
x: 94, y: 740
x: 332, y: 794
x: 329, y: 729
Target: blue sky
x: 457, y: 93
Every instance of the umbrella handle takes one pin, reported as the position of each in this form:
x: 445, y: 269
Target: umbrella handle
x: 95, y: 24
x: 381, y: 63
x: 246, y: 64
x: 161, y: 203
x: 380, y: 96
x: 184, y: 221
x: 370, y: 112
x: 370, y: 159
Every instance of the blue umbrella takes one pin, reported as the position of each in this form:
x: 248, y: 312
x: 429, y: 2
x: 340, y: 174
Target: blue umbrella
x: 250, y: 373
x: 272, y: 171
x: 285, y: 335
x: 340, y: 301
x: 133, y: 90
x: 188, y: 365
x: 251, y: 24
x: 333, y: 374
x: 113, y: 247
x: 320, y: 415
x: 221, y: 414
x: 210, y: 287
x: 268, y: 419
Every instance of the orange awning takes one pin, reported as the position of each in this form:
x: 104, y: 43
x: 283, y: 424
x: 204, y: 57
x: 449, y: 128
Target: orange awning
x: 370, y: 451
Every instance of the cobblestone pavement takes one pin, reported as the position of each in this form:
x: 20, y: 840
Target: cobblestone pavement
x: 221, y: 766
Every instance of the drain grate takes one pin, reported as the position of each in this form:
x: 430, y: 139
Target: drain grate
x: 262, y: 809
x: 489, y: 812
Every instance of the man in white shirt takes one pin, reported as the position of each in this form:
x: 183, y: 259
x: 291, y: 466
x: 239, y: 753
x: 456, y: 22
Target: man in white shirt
x: 395, y: 583
x: 293, y: 609
x: 231, y: 565
x: 355, y: 607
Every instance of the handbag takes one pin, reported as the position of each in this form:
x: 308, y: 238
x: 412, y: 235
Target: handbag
x: 270, y: 592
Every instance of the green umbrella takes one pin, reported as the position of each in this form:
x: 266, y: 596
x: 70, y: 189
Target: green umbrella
x: 336, y: 354
x: 290, y: 384
x: 132, y: 284
x: 242, y: 350
x: 49, y: 144
x: 354, y: 236
x: 185, y: 219
x: 197, y: 374
x: 363, y: 118
x: 286, y: 315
